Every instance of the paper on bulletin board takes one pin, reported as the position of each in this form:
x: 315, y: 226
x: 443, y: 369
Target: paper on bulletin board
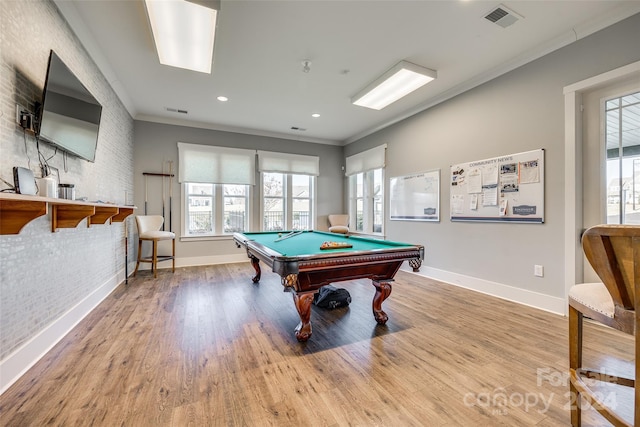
x: 501, y: 189
x: 415, y: 197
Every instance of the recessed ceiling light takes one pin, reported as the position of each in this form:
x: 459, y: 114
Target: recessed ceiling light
x: 223, y: 99
x: 315, y: 115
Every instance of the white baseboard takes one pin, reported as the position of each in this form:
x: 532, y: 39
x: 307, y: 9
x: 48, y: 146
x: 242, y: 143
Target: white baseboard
x: 22, y: 359
x: 198, y: 261
x: 211, y: 260
x: 522, y: 296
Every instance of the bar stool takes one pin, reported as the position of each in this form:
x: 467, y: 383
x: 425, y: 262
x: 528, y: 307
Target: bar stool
x: 614, y: 253
x: 149, y: 229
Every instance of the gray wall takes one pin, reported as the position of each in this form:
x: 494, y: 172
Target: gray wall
x: 519, y: 111
x: 43, y: 275
x: 157, y: 143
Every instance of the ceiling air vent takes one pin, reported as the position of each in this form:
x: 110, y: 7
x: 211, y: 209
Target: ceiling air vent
x: 176, y: 110
x: 503, y: 16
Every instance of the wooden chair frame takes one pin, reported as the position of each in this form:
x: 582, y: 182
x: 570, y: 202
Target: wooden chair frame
x: 146, y: 233
x: 614, y: 253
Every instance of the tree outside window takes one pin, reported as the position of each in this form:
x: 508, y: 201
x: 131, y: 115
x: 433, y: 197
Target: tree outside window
x: 287, y: 201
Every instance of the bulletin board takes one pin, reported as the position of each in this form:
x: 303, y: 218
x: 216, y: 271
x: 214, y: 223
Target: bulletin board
x: 415, y: 197
x: 502, y: 189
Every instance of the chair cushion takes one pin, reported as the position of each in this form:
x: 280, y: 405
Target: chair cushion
x: 594, y: 296
x: 339, y: 229
x: 158, y: 235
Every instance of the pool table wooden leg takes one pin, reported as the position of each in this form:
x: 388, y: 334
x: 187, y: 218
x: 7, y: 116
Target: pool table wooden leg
x: 383, y: 290
x: 303, y: 305
x: 255, y: 262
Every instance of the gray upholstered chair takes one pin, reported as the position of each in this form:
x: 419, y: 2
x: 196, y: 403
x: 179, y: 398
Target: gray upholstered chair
x: 614, y: 253
x: 339, y: 223
x: 149, y: 230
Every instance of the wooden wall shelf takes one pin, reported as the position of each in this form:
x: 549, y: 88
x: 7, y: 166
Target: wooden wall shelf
x: 17, y: 210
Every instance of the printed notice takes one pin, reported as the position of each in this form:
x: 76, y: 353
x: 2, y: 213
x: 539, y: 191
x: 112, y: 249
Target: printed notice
x: 529, y: 172
x: 473, y: 202
x: 457, y: 204
x: 474, y: 181
x: 490, y: 195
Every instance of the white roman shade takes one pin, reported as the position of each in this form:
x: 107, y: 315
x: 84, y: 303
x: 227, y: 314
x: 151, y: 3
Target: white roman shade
x: 366, y: 160
x: 215, y: 165
x: 270, y: 161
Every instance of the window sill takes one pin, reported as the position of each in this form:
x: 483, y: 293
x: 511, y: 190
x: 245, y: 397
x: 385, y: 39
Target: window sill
x: 372, y: 235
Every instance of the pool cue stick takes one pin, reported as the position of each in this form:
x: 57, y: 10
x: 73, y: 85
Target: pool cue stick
x: 163, y: 199
x: 146, y: 191
x: 293, y: 233
x: 170, y: 190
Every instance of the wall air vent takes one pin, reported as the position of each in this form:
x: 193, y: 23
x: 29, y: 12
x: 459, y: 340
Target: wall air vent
x: 502, y: 16
x: 176, y: 110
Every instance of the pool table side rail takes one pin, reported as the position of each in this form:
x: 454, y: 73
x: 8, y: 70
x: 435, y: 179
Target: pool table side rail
x: 329, y: 235
x: 284, y: 265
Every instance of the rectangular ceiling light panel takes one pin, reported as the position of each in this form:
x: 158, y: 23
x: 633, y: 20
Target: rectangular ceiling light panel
x: 399, y: 81
x: 183, y: 32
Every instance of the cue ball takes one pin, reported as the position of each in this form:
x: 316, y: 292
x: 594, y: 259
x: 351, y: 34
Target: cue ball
x: 279, y: 234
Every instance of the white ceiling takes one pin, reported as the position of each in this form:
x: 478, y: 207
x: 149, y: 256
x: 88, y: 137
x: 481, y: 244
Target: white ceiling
x: 260, y: 47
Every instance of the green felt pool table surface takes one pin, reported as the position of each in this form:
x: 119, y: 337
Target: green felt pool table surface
x: 308, y: 242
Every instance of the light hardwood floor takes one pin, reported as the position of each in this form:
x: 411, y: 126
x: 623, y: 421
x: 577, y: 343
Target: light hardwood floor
x: 205, y: 346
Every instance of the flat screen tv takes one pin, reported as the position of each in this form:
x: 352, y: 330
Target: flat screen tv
x: 69, y: 117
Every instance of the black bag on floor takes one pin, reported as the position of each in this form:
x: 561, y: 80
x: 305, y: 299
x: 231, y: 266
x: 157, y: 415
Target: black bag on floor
x: 331, y: 297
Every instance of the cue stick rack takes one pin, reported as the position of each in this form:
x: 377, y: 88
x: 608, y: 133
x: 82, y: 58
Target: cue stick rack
x: 162, y: 175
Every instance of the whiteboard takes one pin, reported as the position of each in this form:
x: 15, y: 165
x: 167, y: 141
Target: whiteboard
x: 501, y: 189
x: 415, y: 197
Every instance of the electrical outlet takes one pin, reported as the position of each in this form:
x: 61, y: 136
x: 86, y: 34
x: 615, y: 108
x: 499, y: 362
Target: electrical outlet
x: 538, y: 270
x: 24, y: 117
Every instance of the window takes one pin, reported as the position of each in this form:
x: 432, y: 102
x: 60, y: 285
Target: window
x: 216, y: 183
x: 366, y: 201
x: 288, y: 190
x: 366, y: 190
x: 213, y: 209
x: 288, y: 201
x: 623, y: 159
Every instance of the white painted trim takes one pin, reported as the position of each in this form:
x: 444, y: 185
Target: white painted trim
x: 572, y: 190
x: 21, y: 360
x: 603, y: 79
x: 510, y: 293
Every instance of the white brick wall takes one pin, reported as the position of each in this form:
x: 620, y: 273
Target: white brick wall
x: 43, y: 274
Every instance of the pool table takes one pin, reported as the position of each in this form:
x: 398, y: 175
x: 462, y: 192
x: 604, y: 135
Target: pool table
x: 304, y: 267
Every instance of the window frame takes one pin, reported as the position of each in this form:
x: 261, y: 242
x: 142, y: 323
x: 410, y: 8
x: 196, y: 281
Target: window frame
x: 288, y: 200
x: 369, y: 199
x: 619, y: 217
x: 217, y: 197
